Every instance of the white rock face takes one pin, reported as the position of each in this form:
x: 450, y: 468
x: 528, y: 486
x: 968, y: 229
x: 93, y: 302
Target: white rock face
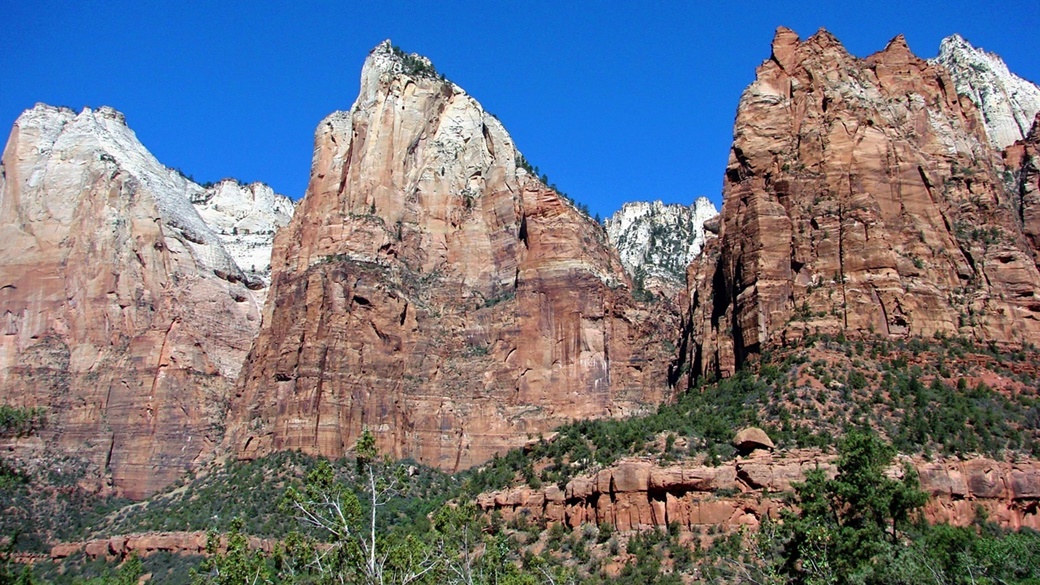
x: 1007, y: 102
x: 658, y: 241
x: 65, y: 135
x: 246, y: 217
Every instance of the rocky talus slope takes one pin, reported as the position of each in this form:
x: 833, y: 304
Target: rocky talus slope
x: 1007, y: 102
x: 861, y: 195
x: 432, y: 290
x: 123, y: 315
x: 246, y: 218
x: 657, y: 242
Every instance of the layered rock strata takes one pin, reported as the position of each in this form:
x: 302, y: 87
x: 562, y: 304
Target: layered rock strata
x: 639, y: 494
x: 657, y: 242
x: 1006, y: 102
x: 121, y: 313
x: 430, y: 289
x: 861, y: 195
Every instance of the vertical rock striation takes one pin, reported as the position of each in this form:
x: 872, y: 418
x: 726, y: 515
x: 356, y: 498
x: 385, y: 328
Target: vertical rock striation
x: 121, y: 313
x: 861, y: 195
x: 432, y: 290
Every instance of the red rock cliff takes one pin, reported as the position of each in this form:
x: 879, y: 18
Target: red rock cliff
x: 432, y: 290
x: 860, y: 195
x: 120, y: 312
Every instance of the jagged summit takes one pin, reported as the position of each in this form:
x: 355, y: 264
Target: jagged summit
x: 1007, y: 102
x: 861, y: 196
x: 59, y: 131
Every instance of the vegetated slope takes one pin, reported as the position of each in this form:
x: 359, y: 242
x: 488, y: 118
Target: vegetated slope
x: 863, y: 196
x: 123, y: 315
x: 430, y: 288
x: 657, y: 242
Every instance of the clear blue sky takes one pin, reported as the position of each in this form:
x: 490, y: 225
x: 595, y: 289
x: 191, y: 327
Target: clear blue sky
x: 615, y: 101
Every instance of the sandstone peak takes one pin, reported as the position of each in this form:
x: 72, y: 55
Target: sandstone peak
x: 1007, y: 102
x: 857, y: 198
x: 657, y: 241
x: 122, y: 314
x: 897, y: 48
x: 430, y: 288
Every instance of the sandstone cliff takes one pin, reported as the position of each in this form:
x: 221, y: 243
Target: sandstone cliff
x: 431, y: 289
x: 861, y: 195
x: 1007, y: 102
x: 657, y: 242
x: 122, y: 314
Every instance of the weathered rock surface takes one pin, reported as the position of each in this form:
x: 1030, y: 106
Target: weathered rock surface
x: 861, y: 195
x: 638, y: 494
x: 1007, y: 102
x: 122, y: 313
x: 246, y: 218
x: 431, y: 289
x: 1022, y: 160
x: 657, y: 242
x: 751, y: 438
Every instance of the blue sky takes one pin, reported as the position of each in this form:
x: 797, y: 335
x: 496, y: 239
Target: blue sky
x: 615, y: 101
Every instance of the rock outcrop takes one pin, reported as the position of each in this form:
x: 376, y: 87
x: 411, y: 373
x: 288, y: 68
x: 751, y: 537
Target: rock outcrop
x: 1007, y: 102
x: 657, y: 242
x: 246, y: 218
x: 638, y: 494
x: 432, y: 290
x: 123, y: 316
x: 861, y: 195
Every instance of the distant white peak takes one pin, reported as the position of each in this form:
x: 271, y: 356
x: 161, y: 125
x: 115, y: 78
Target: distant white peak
x: 659, y: 240
x: 246, y: 218
x: 1007, y: 102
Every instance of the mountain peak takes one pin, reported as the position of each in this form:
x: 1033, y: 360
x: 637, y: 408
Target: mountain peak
x: 1007, y: 102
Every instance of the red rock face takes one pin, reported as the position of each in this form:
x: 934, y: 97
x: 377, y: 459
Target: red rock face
x: 1022, y: 160
x: 112, y: 316
x: 639, y: 494
x: 860, y: 195
x: 430, y: 289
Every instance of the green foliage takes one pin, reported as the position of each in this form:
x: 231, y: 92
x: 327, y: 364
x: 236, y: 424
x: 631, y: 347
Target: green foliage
x: 16, y: 421
x: 845, y: 525
x: 237, y: 565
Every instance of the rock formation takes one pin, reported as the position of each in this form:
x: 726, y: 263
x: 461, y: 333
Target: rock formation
x: 1007, y: 102
x: 639, y: 494
x: 246, y: 217
x: 861, y: 195
x: 1022, y: 161
x: 122, y: 314
x: 657, y: 242
x: 431, y: 289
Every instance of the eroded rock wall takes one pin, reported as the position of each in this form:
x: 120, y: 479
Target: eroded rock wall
x: 639, y: 494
